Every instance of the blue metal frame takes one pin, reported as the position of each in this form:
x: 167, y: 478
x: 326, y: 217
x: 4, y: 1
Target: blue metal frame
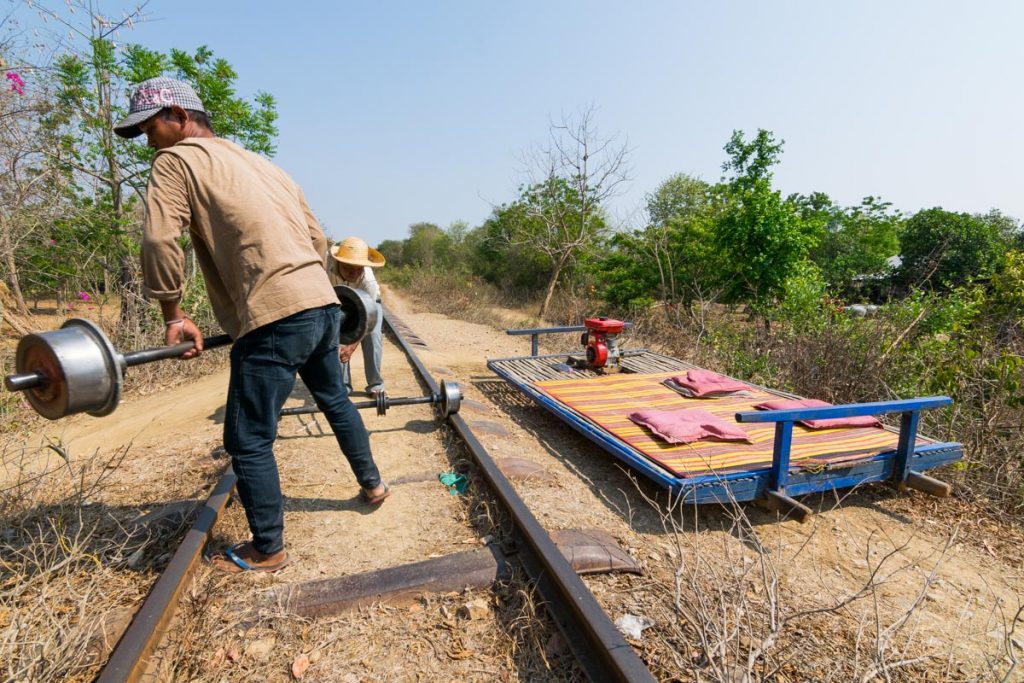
x: 535, y: 333
x: 895, y: 465
x: 910, y: 414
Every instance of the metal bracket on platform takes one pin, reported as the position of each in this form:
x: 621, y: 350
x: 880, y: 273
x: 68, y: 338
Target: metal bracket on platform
x: 535, y: 333
x: 789, y: 508
x: 925, y: 484
x: 775, y: 498
x: 902, y: 475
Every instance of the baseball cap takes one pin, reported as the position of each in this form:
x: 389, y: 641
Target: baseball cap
x: 149, y: 97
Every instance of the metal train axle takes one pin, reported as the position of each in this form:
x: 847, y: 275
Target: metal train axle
x: 76, y: 369
x: 448, y: 400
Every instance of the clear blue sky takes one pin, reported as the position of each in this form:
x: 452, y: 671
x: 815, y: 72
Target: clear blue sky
x: 398, y: 112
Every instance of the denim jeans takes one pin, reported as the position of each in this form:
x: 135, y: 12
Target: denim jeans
x: 264, y: 363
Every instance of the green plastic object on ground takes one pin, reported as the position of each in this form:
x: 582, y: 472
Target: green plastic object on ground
x: 456, y: 483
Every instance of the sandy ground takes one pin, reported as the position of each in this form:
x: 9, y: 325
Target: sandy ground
x: 946, y: 580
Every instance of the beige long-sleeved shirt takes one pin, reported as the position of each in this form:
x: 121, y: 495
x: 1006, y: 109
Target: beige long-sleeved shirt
x: 257, y: 243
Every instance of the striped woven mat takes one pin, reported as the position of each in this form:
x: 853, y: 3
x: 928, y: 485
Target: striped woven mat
x: 607, y: 401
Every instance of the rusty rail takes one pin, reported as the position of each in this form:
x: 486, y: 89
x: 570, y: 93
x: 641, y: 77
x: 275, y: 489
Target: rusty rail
x: 601, y: 650
x: 128, y: 660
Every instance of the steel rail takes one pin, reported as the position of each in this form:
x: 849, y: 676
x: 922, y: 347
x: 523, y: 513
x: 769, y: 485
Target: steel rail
x: 131, y: 655
x: 597, y: 644
x: 602, y: 652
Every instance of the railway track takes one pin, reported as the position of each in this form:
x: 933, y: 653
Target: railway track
x: 602, y: 652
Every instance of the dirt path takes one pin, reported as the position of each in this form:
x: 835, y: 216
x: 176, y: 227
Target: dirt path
x: 942, y: 584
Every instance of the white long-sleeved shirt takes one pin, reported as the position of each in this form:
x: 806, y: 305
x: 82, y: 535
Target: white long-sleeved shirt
x: 366, y: 282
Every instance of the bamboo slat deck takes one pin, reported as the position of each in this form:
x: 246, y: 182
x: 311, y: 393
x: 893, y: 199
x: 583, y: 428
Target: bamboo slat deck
x: 607, y: 402
x: 597, y: 405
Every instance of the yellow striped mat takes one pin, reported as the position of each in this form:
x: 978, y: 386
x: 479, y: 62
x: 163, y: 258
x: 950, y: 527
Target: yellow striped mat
x: 607, y: 402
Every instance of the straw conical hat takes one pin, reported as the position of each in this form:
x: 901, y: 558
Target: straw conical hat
x: 355, y: 252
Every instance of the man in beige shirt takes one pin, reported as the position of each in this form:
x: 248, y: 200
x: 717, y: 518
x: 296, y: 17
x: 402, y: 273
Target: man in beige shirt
x: 259, y: 248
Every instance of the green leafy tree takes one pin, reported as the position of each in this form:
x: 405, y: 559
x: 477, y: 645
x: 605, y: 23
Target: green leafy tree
x: 625, y: 273
x: 1011, y: 229
x: 252, y: 125
x: 393, y: 252
x: 422, y: 244
x: 32, y: 191
x: 943, y: 250
x: 804, y: 292
x: 682, y: 214
x: 761, y: 236
x: 453, y: 250
x: 1007, y: 294
x: 91, y: 85
x: 673, y: 258
x: 430, y: 246
x: 497, y: 257
x: 856, y: 243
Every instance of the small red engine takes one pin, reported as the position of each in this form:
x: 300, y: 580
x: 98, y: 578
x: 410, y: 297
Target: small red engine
x: 601, y: 342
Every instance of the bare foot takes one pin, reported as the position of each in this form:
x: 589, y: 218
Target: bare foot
x: 251, y: 558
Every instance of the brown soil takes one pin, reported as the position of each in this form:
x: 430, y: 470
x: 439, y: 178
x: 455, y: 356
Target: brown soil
x: 958, y: 576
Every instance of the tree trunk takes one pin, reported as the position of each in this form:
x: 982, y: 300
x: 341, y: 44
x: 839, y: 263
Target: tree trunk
x: 131, y: 295
x: 551, y: 287
x: 130, y: 287
x: 12, y: 267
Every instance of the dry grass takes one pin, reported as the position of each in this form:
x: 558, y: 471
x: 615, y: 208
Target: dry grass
x: 218, y: 638
x: 727, y: 599
x: 75, y: 568
x: 859, y: 360
x: 76, y: 560
x: 732, y: 605
x: 473, y: 301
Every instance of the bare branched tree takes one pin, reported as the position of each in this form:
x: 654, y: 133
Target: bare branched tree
x: 570, y: 181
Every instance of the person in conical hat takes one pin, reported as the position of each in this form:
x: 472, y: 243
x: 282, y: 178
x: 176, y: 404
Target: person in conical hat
x: 352, y: 264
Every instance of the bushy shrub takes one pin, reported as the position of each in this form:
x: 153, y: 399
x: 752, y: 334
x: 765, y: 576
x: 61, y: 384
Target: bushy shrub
x: 1007, y: 295
x: 805, y: 301
x: 941, y: 249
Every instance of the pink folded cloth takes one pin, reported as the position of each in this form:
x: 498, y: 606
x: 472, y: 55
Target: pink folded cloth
x: 700, y: 383
x: 684, y: 426
x: 792, y: 404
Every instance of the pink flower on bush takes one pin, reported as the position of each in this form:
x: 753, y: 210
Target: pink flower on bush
x: 17, y: 84
x: 84, y: 296
x: 53, y: 243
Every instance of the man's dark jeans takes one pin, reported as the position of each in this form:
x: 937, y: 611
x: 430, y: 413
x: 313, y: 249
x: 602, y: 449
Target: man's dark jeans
x: 263, y: 367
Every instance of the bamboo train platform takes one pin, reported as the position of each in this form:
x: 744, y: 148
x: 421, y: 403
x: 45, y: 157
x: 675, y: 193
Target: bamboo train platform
x: 784, y: 460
